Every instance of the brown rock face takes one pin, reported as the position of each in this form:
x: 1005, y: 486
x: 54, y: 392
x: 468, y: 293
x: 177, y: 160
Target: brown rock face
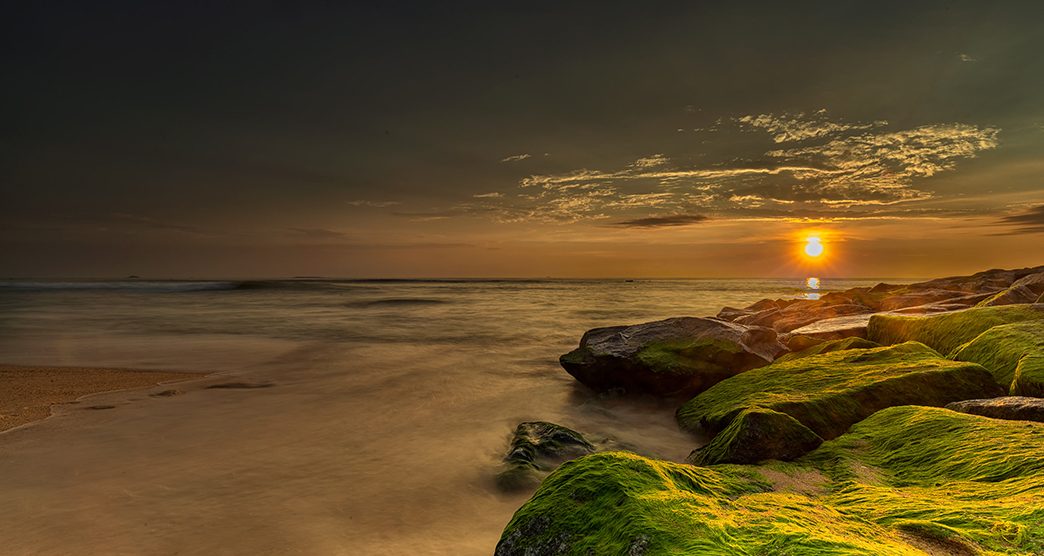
x: 1017, y: 408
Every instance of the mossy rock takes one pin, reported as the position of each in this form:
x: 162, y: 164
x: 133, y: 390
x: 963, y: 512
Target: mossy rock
x: 833, y: 345
x: 907, y: 480
x: 829, y: 392
x: 757, y: 435
x: 672, y: 357
x: 945, y: 332
x: 1029, y: 377
x: 1009, y: 350
x: 537, y: 447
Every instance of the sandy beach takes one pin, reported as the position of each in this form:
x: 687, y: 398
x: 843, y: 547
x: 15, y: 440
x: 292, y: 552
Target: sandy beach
x: 27, y: 393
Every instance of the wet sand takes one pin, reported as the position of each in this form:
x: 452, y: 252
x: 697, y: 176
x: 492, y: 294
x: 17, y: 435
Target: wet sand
x: 28, y: 393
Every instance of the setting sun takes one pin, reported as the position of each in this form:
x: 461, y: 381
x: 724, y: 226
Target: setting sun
x: 813, y: 247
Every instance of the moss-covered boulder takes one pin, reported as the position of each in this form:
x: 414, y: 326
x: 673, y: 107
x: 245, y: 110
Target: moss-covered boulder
x: 853, y: 342
x: 906, y: 481
x: 537, y: 447
x: 829, y: 392
x: 673, y: 357
x: 946, y: 332
x: 757, y: 435
x: 1009, y: 350
x: 1019, y: 408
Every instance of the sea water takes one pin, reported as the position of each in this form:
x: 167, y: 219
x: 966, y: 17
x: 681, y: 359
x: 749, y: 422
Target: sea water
x: 386, y: 410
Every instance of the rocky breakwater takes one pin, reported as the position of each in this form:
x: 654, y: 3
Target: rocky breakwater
x: 828, y: 432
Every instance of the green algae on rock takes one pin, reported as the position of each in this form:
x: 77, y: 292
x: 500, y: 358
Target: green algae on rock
x: 757, y: 435
x: 907, y: 480
x: 945, y: 332
x: 831, y: 391
x: 537, y: 447
x: 852, y: 342
x: 1014, y: 353
x: 679, y: 356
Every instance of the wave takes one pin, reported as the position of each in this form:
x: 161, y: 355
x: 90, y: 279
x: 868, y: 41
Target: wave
x: 398, y: 301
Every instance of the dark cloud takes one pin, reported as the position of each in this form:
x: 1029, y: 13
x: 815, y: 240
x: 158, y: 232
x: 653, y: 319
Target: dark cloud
x: 1029, y: 222
x: 662, y: 221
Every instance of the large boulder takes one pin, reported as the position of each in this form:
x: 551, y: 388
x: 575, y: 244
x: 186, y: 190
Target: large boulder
x: 1017, y: 408
x: 830, y: 392
x: 537, y: 447
x: 756, y: 435
x: 946, y: 332
x: 907, y: 480
x: 679, y: 356
x: 1009, y: 351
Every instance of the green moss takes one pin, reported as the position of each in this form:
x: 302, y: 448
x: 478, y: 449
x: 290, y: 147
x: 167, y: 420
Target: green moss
x: 829, y: 392
x: 690, y: 356
x: 757, y: 435
x: 904, y: 481
x: 1002, y: 349
x: 853, y: 342
x: 946, y: 332
x: 1029, y: 377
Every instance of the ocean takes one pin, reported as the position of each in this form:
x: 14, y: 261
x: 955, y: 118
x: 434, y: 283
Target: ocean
x: 387, y: 407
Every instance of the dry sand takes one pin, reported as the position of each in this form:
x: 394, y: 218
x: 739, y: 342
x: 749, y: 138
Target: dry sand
x: 27, y: 393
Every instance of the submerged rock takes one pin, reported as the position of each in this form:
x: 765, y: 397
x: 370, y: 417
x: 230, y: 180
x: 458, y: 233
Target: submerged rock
x: 679, y: 356
x: 902, y: 480
x: 1018, y: 408
x: 830, y: 392
x: 756, y: 435
x: 537, y: 447
x: 1014, y: 353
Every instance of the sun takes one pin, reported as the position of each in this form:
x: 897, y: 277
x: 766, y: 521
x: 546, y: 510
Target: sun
x: 813, y: 246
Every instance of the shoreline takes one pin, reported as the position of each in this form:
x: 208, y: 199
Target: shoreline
x: 29, y: 393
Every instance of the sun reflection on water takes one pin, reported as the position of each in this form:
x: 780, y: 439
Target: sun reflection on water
x: 812, y: 283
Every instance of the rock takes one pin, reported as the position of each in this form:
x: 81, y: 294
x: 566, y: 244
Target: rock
x: 825, y: 330
x: 797, y: 315
x: 904, y: 479
x: 679, y: 356
x: 1013, y: 353
x: 853, y: 342
x: 917, y: 297
x: 756, y: 435
x: 1014, y: 408
x: 830, y: 392
x: 986, y: 281
x: 946, y: 332
x: 1024, y: 290
x: 537, y: 447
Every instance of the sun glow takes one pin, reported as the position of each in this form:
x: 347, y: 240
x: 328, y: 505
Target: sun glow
x: 813, y: 246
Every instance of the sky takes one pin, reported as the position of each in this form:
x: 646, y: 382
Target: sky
x: 557, y: 139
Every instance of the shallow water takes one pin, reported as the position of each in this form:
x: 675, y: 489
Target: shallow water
x: 390, y: 406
